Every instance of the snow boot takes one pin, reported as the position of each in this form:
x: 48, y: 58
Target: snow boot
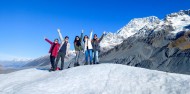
x: 86, y: 63
x: 58, y: 68
x: 76, y: 64
x: 50, y: 70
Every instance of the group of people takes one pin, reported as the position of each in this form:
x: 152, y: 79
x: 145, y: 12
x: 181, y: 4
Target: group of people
x: 90, y: 46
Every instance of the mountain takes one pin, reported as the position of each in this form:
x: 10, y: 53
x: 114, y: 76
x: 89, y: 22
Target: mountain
x: 12, y: 65
x: 176, y: 20
x: 94, y: 79
x: 113, y: 39
x: 41, y: 61
x: 16, y: 63
x: 44, y: 61
x: 154, y: 45
x: 1, y: 67
x: 136, y: 24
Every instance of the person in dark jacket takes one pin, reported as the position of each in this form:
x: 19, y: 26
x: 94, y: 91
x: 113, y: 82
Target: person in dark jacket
x: 96, y: 47
x: 53, y: 51
x: 78, y: 48
x: 63, y: 50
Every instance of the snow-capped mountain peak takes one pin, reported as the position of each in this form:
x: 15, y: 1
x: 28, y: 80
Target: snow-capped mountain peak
x: 180, y: 13
x: 178, y: 20
x: 113, y: 39
x: 140, y: 27
x: 136, y: 24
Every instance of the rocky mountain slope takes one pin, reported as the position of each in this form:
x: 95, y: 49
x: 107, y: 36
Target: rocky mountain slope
x: 113, y: 39
x: 150, y: 47
x: 44, y: 61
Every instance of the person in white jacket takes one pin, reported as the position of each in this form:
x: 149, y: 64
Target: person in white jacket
x: 88, y: 48
x: 63, y: 50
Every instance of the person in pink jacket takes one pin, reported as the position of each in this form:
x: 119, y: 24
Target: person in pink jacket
x: 53, y: 51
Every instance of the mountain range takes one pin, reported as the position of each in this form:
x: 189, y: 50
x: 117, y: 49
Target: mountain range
x: 153, y: 43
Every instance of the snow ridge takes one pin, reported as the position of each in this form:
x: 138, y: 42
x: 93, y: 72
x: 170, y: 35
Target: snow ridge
x: 94, y: 79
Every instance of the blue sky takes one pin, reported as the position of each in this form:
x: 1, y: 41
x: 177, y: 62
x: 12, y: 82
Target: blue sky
x: 24, y: 23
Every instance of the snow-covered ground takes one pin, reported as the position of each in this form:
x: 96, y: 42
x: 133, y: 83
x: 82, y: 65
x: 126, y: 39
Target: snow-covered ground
x: 96, y: 79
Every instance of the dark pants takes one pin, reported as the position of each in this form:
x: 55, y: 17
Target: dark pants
x: 52, y: 60
x: 62, y: 56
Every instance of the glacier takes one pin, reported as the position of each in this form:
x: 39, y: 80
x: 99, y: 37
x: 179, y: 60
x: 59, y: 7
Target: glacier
x: 94, y: 79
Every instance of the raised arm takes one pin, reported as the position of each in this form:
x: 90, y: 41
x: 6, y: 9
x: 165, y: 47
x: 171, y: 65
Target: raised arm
x: 81, y: 36
x: 48, y: 41
x: 60, y: 35
x: 91, y: 35
x: 102, y: 37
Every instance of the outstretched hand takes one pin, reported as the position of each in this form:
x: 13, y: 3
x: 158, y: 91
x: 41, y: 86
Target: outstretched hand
x: 58, y: 30
x: 104, y: 32
x: 91, y: 31
x: 82, y: 31
x: 44, y: 37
